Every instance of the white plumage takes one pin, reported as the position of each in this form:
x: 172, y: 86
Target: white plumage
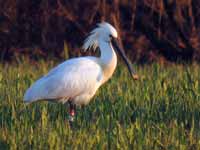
x: 78, y: 79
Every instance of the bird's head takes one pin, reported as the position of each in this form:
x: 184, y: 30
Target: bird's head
x: 107, y: 33
x: 104, y: 32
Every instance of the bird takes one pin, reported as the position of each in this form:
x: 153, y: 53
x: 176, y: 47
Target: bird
x: 76, y: 80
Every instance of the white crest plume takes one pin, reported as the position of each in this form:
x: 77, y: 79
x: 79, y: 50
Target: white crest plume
x: 91, y: 42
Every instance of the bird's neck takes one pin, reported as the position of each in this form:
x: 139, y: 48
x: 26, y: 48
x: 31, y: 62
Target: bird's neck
x: 108, y: 59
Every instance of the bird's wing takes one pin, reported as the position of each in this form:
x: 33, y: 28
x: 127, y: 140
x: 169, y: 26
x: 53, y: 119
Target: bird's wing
x: 67, y: 80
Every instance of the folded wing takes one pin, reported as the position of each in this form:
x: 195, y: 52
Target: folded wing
x: 67, y: 80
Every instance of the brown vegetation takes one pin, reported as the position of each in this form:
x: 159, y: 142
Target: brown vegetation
x: 149, y: 29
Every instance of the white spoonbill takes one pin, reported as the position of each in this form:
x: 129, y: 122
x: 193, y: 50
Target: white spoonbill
x: 76, y: 80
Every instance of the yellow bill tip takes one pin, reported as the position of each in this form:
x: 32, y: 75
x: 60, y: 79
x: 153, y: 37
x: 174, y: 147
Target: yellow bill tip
x: 135, y: 76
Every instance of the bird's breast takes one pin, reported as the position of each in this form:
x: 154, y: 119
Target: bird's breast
x: 108, y: 70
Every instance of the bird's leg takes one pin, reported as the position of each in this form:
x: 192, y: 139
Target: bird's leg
x: 72, y: 111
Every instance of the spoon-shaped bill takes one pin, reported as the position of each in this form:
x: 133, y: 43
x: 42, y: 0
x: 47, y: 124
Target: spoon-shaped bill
x: 121, y: 53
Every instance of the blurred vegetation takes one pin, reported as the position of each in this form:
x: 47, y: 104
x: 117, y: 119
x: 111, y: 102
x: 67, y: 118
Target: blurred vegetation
x: 150, y: 30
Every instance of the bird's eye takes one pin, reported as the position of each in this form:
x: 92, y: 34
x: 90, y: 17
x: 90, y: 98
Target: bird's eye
x: 111, y: 37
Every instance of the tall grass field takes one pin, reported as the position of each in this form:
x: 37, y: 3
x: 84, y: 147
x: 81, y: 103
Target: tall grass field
x: 159, y: 111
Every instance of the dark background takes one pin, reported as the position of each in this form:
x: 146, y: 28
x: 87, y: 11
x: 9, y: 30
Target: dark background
x: 150, y: 30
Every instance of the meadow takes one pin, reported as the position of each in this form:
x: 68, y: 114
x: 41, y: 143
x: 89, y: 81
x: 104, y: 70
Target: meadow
x: 159, y: 111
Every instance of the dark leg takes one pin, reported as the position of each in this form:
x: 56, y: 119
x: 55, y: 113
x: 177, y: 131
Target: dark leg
x: 72, y: 111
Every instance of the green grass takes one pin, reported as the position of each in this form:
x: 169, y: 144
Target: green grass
x: 160, y: 111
